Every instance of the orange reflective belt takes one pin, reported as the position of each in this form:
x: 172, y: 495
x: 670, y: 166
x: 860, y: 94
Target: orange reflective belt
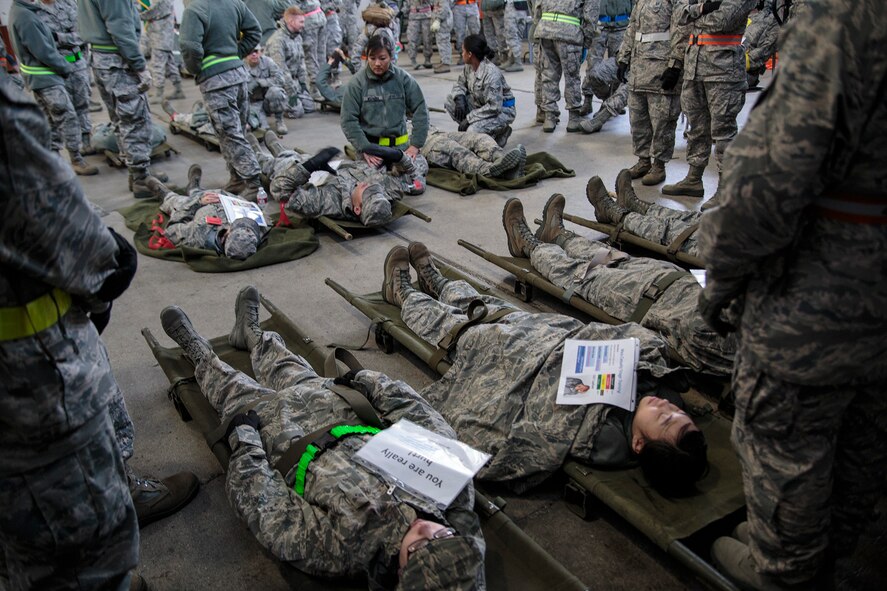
x: 464, y: 2
x: 857, y: 209
x: 715, y: 39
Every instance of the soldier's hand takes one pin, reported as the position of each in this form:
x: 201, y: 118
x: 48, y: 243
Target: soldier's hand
x: 347, y: 379
x: 460, y: 109
x: 711, y: 309
x: 670, y: 78
x: 127, y: 263
x: 710, y: 6
x: 622, y: 72
x: 144, y: 80
x: 250, y: 419
x: 464, y: 125
x: 435, y: 25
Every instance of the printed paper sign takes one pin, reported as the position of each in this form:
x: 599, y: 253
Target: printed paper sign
x: 238, y: 208
x: 599, y: 372
x: 421, y: 462
x: 699, y: 276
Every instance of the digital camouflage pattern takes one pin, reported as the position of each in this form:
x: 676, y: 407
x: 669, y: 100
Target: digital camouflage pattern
x: 160, y: 21
x: 332, y: 33
x: 287, y: 51
x: 759, y: 42
x: 57, y: 386
x: 350, y: 21
x: 511, y: 22
x: 189, y: 219
x: 663, y: 225
x: 419, y: 29
x: 226, y: 99
x: 357, y: 51
x: 346, y: 523
x: 197, y: 119
x: 313, y: 40
x: 493, y: 25
x: 527, y: 434
x: 486, y: 91
x: 812, y: 412
x: 617, y: 288
x: 604, y: 83
x: 467, y: 152
x: 65, y: 126
x: 443, y: 11
x: 606, y: 45
x: 555, y: 29
x: 466, y: 21
x: 266, y: 90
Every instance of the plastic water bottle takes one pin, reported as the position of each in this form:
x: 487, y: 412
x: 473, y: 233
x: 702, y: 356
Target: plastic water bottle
x: 262, y: 197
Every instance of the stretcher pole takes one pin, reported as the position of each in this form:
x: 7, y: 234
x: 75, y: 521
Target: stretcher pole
x: 400, y: 205
x: 700, y: 567
x: 330, y: 224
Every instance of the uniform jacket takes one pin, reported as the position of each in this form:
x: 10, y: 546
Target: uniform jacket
x: 112, y: 22
x: 35, y: 47
x: 761, y: 37
x: 61, y: 18
x: 263, y: 76
x: 222, y: 28
x: 188, y: 225
x: 286, y: 50
x: 160, y: 24
x: 267, y: 12
x: 486, y: 90
x: 649, y: 59
x: 613, y: 8
x: 815, y: 286
x: 587, y: 11
x: 715, y: 63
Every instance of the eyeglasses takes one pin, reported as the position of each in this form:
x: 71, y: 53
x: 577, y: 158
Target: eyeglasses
x: 441, y: 534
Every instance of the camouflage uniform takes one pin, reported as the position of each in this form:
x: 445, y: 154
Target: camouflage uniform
x: 267, y: 12
x: 617, y: 288
x: 538, y: 56
x: 463, y: 151
x: 613, y: 21
x: 61, y: 17
x: 513, y: 40
x: 116, y: 60
x: 360, y: 45
x: 714, y: 87
x: 663, y: 225
x: 350, y: 22
x: 188, y: 225
x: 466, y: 21
x: 160, y: 22
x: 67, y: 513
x: 487, y: 93
x: 807, y: 255
x: 419, y: 30
x: 653, y: 42
x: 288, y: 52
x: 332, y: 33
x: 759, y: 42
x: 266, y: 91
x: 347, y: 522
x: 604, y: 83
x: 493, y: 25
x: 313, y: 40
x: 507, y: 373
x: 198, y: 119
x: 562, y: 42
x: 443, y: 12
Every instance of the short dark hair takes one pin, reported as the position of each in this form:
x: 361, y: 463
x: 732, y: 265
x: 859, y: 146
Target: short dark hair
x: 477, y: 46
x: 673, y: 470
x: 378, y: 42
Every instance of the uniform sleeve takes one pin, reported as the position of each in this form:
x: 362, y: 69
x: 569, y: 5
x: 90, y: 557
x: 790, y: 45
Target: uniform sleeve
x: 680, y: 33
x: 277, y: 77
x: 396, y: 400
x: 731, y: 15
x: 627, y: 46
x: 274, y: 50
x: 250, y: 32
x: 124, y: 28
x: 460, y: 88
x: 38, y: 40
x: 350, y: 115
x: 292, y: 529
x: 417, y: 108
x: 323, y: 83
x: 191, y: 35
x: 591, y: 12
x: 491, y: 105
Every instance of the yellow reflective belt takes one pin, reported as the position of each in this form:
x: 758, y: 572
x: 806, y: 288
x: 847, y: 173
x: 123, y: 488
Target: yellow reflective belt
x: 105, y: 48
x: 37, y: 315
x: 559, y: 17
x: 212, y: 60
x: 398, y: 141
x: 36, y: 70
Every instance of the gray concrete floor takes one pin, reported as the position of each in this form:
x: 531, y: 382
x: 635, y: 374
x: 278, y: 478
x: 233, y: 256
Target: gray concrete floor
x: 205, y: 546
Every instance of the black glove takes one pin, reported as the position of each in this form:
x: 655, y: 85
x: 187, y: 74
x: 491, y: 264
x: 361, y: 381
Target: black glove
x: 711, y: 310
x: 347, y: 379
x: 118, y: 281
x: 710, y: 6
x: 460, y: 111
x: 101, y: 319
x: 464, y: 125
x: 387, y: 154
x: 250, y: 419
x: 622, y: 72
x: 321, y: 160
x: 670, y: 78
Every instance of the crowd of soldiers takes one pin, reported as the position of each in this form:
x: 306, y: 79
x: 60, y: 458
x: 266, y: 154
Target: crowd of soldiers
x: 800, y: 201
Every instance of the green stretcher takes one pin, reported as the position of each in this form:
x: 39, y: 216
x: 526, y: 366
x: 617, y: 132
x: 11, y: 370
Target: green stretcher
x: 210, y: 141
x: 346, y: 228
x: 684, y: 528
x: 513, y: 560
x: 617, y: 235
x: 163, y: 150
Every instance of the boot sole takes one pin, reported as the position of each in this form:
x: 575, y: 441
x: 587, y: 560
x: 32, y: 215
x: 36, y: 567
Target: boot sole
x: 650, y: 182
x: 234, y: 337
x: 387, y: 284
x: 682, y: 193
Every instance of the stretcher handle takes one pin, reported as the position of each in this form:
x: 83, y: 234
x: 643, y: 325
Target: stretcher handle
x: 332, y: 225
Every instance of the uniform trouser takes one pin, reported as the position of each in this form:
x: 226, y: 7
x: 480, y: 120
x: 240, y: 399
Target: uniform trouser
x: 813, y: 462
x: 77, y: 85
x: 433, y: 319
x: 128, y: 108
x: 663, y: 225
x: 442, y: 38
x: 332, y: 33
x: 348, y: 21
x: 228, y: 109
x: 606, y: 44
x: 539, y: 69
x: 512, y: 32
x: 495, y: 127
x: 59, y: 110
x: 466, y: 21
x: 561, y: 59
x: 313, y: 42
x: 617, y: 289
x: 711, y: 108
x: 273, y: 104
x: 472, y: 154
x: 419, y: 31
x: 493, y: 24
x: 164, y: 67
x: 654, y: 118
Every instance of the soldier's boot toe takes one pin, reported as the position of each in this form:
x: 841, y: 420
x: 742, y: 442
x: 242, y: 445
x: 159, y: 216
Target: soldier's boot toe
x: 626, y: 197
x: 509, y: 161
x: 143, y: 185
x: 656, y: 174
x: 195, y: 174
x: 740, y: 532
x: 178, y: 327
x: 574, y: 123
x: 606, y: 210
x: 689, y: 186
x: 503, y: 136
x: 521, y: 241
x: 552, y: 227
x: 280, y: 127
x: 157, y: 188
x: 713, y: 202
x: 431, y: 281
x: 82, y: 167
x: 441, y: 68
x: 550, y: 122
x: 734, y: 559
x: 586, y: 106
x: 177, y: 92
x: 86, y: 147
x: 138, y: 583
x: 641, y: 167
x: 168, y: 109
x: 272, y: 142
x: 427, y: 65
x: 253, y: 141
x: 156, y: 499
x: 540, y: 115
x: 246, y: 332
x: 397, y: 285
x: 596, y: 123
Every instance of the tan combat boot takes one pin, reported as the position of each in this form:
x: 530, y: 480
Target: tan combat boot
x: 606, y: 211
x: 626, y: 198
x: 521, y: 241
x: 574, y: 123
x: 640, y: 168
x: 397, y: 283
x: 550, y: 123
x: 81, y: 166
x: 431, y: 281
x: 656, y: 174
x: 552, y: 229
x: 690, y: 186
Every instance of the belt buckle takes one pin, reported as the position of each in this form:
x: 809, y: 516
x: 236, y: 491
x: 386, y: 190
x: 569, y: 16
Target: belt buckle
x: 653, y: 292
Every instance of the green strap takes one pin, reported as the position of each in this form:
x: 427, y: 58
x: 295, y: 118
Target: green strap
x: 678, y: 242
x: 105, y: 48
x: 73, y: 57
x: 306, y: 451
x: 36, y: 70
x: 559, y: 17
x: 212, y: 60
x: 653, y: 293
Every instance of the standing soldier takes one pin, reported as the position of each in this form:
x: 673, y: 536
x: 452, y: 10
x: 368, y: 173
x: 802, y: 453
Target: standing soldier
x: 613, y: 22
x: 350, y: 22
x: 514, y: 61
x: 538, y: 60
x: 801, y: 240
x: 466, y: 21
x: 653, y: 54
x: 215, y: 35
x: 714, y: 83
x: 313, y: 41
x: 759, y: 42
x: 493, y: 27
x: 44, y: 70
x: 61, y: 17
x: 285, y: 48
x: 419, y: 30
x: 565, y: 28
x: 442, y: 27
x: 112, y: 29
x: 160, y: 25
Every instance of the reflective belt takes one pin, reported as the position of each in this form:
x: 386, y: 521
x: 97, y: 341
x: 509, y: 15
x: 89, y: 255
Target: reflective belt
x: 212, y: 60
x: 715, y: 39
x: 37, y: 315
x: 559, y: 17
x: 326, y: 440
x: 508, y: 102
x: 421, y: 10
x: 74, y: 57
x: 36, y: 70
x: 464, y: 2
x: 144, y: 5
x: 389, y: 140
x: 105, y: 48
x: 857, y: 209
x: 651, y: 37
x: 315, y: 11
x: 621, y: 18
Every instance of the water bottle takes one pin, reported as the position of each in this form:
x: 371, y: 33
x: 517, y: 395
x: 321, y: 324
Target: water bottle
x: 262, y: 197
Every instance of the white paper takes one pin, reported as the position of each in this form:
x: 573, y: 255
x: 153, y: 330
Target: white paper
x: 319, y: 178
x: 699, y: 276
x: 428, y: 465
x: 599, y: 372
x: 238, y: 208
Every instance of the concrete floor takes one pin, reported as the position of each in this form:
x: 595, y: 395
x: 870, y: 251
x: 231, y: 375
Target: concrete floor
x: 205, y: 546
